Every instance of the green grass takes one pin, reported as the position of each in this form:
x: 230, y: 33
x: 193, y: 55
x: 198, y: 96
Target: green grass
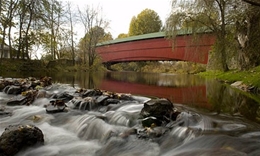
x: 249, y: 77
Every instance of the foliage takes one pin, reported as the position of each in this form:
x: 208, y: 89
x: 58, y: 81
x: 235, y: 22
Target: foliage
x: 126, y: 66
x: 94, y: 30
x: 122, y: 35
x: 249, y: 77
x: 87, y: 45
x: 161, y: 67
x: 199, y: 15
x: 148, y: 21
x: 235, y: 24
x: 44, y: 24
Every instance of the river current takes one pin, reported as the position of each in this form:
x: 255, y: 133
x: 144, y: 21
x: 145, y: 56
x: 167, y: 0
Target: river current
x: 215, y: 119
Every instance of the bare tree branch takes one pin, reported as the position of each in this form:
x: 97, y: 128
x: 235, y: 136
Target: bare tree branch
x: 253, y: 2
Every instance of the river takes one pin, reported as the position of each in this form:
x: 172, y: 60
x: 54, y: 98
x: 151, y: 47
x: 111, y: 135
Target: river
x: 216, y: 119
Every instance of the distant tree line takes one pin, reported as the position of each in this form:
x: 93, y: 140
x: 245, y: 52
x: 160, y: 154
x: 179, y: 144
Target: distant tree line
x: 29, y: 25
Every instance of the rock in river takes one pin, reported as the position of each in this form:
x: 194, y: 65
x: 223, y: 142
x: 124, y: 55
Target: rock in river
x: 162, y: 109
x: 56, y: 106
x: 17, y: 137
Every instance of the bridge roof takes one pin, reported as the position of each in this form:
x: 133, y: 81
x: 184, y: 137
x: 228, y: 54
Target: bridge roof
x: 146, y: 36
x: 134, y: 38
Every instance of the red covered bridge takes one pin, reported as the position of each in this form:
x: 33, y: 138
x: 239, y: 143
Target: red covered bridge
x: 156, y: 47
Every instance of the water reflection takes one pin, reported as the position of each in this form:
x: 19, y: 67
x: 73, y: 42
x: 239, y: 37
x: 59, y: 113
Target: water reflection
x: 166, y: 80
x: 229, y: 100
x: 193, y: 91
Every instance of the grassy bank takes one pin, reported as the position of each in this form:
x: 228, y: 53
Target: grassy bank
x: 250, y: 77
x: 19, y: 65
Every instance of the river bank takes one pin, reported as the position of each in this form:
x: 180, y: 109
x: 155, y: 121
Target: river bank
x: 61, y: 65
x: 244, y: 80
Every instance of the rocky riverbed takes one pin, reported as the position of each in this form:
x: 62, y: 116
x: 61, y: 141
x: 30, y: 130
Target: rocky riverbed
x: 155, y: 119
x: 57, y: 119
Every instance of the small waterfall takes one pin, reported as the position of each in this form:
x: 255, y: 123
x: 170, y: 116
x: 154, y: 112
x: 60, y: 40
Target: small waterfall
x: 90, y: 127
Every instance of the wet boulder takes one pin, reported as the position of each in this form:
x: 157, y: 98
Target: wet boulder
x: 25, y: 98
x: 3, y: 112
x: 151, y: 122
x: 12, y: 89
x: 30, y: 96
x: 92, y: 92
x: 5, y: 82
x: 46, y: 81
x: 56, y: 106
x: 101, y: 100
x: 126, y: 97
x: 161, y: 109
x: 66, y: 97
x: 17, y: 100
x: 2, y: 84
x: 18, y: 137
x: 111, y: 101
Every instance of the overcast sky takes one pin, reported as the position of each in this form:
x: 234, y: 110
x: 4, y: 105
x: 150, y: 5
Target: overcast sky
x: 120, y: 12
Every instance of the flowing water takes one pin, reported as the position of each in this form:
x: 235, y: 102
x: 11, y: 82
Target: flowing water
x: 215, y: 119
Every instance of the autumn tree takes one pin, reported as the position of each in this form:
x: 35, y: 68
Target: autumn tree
x: 217, y: 16
x: 38, y: 24
x: 94, y: 29
x: 7, y: 11
x: 148, y: 21
x: 27, y: 14
x: 71, y: 22
x: 87, y: 44
x: 122, y: 35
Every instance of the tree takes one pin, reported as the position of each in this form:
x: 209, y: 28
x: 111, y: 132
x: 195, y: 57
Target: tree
x: 11, y: 14
x: 54, y: 24
x: 71, y: 31
x: 217, y: 16
x: 148, y: 21
x: 248, y: 34
x: 122, y: 35
x: 253, y: 2
x: 89, y: 41
x: 94, y: 26
x: 38, y: 23
x: 25, y: 14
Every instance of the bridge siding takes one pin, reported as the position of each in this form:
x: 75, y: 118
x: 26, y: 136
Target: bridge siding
x: 159, y: 49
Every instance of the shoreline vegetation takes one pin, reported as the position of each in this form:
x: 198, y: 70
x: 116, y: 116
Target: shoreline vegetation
x: 244, y: 80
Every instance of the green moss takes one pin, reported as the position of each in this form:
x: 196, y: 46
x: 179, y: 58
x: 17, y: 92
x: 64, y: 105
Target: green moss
x: 249, y: 77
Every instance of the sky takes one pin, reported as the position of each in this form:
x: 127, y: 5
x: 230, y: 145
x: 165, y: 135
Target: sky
x: 120, y: 12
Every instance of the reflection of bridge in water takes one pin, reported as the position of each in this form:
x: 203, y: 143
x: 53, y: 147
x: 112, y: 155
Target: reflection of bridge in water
x: 192, y: 96
x: 155, y: 47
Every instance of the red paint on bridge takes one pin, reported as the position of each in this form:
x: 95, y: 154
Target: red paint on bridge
x: 193, y: 96
x: 159, y: 49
